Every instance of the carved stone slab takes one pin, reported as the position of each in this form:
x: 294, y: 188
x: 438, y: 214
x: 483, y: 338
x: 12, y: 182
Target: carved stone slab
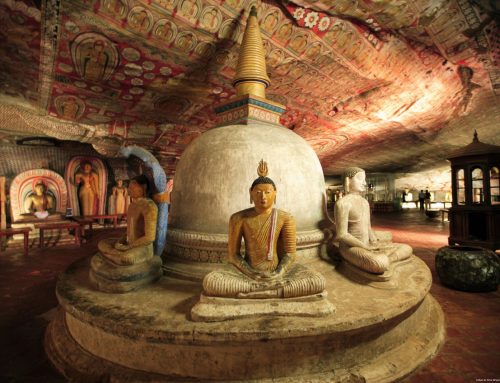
x: 214, y: 309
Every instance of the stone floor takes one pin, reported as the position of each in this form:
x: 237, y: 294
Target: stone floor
x: 471, y: 352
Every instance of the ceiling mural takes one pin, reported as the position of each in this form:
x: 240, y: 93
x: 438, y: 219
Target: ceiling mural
x: 20, y: 34
x: 387, y: 85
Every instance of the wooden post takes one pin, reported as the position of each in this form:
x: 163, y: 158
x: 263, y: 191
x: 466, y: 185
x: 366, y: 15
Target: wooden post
x: 3, y: 215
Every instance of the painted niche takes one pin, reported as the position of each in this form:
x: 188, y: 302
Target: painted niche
x: 87, y: 181
x: 22, y: 189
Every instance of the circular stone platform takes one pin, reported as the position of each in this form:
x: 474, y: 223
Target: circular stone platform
x: 375, y: 335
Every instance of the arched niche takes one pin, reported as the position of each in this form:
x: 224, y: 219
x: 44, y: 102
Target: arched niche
x: 22, y: 187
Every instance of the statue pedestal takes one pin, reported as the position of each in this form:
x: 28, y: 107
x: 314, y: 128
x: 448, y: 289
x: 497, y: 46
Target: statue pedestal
x: 114, y: 271
x: 147, y: 335
x: 214, y: 309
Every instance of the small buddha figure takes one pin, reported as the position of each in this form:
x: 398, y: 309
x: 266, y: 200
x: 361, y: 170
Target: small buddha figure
x: 128, y: 263
x: 88, y: 182
x: 119, y: 199
x: 268, y: 268
x: 39, y: 201
x: 358, y: 243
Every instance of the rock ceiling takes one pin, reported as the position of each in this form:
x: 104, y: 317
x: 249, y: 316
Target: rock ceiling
x: 391, y: 85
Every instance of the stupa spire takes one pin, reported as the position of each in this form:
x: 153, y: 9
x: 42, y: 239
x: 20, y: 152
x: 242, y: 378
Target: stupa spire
x: 251, y: 76
x: 475, y: 139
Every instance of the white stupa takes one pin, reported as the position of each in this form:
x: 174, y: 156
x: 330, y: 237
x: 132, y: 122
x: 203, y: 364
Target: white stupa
x: 214, y: 174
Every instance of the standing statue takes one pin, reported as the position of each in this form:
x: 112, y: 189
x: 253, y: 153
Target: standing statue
x: 358, y: 243
x: 88, y: 182
x: 119, y: 199
x: 128, y: 263
x: 39, y: 201
x: 268, y: 268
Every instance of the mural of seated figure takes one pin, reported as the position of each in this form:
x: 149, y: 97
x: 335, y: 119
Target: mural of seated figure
x: 267, y: 270
x: 369, y: 251
x: 128, y: 263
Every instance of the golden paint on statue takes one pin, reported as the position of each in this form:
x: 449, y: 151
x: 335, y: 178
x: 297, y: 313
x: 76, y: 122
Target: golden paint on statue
x: 358, y: 243
x: 39, y: 202
x: 128, y: 263
x: 88, y: 182
x: 119, y: 199
x: 267, y: 269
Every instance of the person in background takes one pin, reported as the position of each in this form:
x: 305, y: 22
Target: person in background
x: 427, y: 199
x: 421, y: 198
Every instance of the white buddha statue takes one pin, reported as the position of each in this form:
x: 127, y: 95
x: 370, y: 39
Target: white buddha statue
x: 358, y: 243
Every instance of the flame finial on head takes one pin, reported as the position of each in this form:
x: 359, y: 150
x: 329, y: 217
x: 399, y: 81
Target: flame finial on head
x: 262, y: 170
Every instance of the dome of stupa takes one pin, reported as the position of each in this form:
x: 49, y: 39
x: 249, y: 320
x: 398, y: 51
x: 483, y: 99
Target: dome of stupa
x: 215, y: 172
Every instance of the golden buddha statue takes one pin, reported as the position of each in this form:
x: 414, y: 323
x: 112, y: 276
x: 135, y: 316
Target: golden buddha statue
x: 119, y: 199
x: 88, y: 180
x: 129, y: 263
x: 358, y: 243
x: 267, y: 269
x: 39, y: 202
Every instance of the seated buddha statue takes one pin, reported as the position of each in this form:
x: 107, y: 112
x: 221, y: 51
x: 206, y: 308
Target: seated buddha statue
x: 39, y: 202
x: 127, y: 263
x: 358, y: 243
x: 267, y: 269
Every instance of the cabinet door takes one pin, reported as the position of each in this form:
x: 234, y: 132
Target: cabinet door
x: 460, y: 182
x: 495, y: 185
x: 477, y: 185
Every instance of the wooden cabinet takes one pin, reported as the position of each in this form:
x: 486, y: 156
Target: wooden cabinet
x: 475, y: 212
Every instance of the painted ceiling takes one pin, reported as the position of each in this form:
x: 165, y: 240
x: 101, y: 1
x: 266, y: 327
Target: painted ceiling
x: 390, y: 85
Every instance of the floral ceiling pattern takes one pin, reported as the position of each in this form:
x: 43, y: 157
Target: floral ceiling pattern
x: 389, y: 85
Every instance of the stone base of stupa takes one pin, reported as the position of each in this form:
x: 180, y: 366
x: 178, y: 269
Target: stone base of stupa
x: 374, y: 335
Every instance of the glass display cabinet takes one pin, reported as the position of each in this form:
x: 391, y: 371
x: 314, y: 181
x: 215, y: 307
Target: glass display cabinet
x: 475, y: 212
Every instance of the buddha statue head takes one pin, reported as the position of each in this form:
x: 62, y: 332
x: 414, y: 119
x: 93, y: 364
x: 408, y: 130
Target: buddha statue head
x: 86, y: 166
x: 263, y: 189
x: 39, y: 202
x: 354, y: 180
x: 138, y: 187
x: 39, y: 188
